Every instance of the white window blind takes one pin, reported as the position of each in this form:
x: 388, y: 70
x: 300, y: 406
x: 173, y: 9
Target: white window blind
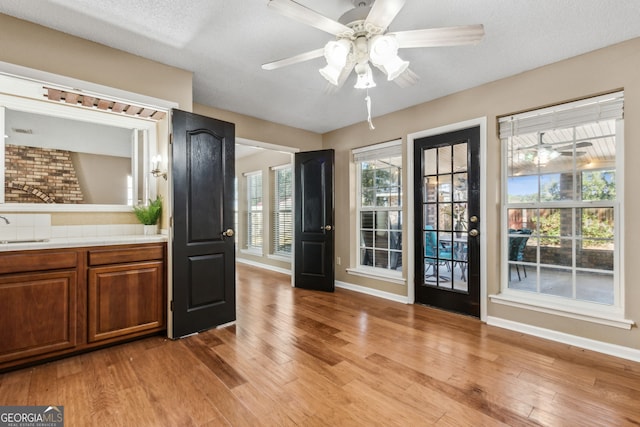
x: 282, y: 221
x: 605, y: 107
x: 378, y: 151
x: 254, y: 210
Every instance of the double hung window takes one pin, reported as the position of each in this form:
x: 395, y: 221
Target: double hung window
x: 562, y: 204
x: 282, y: 222
x: 254, y: 211
x: 379, y: 207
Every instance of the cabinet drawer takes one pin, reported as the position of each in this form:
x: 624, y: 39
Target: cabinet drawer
x: 119, y: 255
x: 37, y: 261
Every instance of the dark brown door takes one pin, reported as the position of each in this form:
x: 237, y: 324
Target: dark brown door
x: 447, y: 219
x: 314, y: 233
x: 203, y: 246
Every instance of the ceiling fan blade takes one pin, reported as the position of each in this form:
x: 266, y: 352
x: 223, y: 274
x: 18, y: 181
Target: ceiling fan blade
x: 303, y: 14
x: 294, y: 59
x: 383, y: 12
x: 570, y: 153
x: 434, y: 37
x: 581, y: 144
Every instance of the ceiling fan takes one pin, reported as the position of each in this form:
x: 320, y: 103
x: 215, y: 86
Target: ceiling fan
x: 361, y: 38
x: 555, y: 150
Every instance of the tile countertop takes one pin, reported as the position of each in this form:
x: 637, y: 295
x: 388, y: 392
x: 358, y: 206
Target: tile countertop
x: 73, y: 242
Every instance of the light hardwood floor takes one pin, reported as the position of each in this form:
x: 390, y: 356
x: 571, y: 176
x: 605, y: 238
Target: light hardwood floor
x: 298, y: 357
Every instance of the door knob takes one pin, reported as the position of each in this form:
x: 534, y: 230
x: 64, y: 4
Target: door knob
x: 327, y: 228
x: 473, y: 232
x: 473, y: 219
x: 228, y: 232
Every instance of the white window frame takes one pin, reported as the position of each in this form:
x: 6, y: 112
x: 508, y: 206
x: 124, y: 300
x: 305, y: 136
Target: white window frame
x: 281, y: 255
x: 377, y: 151
x: 605, y: 107
x: 249, y: 248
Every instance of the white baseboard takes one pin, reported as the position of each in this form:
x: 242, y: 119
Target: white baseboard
x: 374, y: 292
x: 586, y: 343
x: 265, y: 266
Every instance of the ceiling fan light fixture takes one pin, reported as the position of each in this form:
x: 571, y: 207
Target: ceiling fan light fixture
x: 365, y: 76
x: 331, y: 73
x: 394, y: 67
x: 336, y: 53
x: 383, y: 52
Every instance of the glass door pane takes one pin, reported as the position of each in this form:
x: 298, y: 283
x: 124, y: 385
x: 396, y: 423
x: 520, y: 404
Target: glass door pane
x: 445, y: 218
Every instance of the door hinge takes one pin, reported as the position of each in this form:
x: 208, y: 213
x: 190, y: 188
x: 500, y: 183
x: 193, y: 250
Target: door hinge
x: 170, y: 138
x: 171, y: 305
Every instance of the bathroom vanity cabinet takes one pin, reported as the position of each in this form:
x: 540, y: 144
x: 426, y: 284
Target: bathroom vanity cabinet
x: 55, y: 302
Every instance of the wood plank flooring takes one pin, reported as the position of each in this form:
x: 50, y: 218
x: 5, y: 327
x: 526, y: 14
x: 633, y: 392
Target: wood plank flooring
x: 306, y: 358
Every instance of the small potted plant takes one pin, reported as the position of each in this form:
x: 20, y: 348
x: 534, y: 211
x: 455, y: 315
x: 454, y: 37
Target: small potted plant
x: 149, y: 215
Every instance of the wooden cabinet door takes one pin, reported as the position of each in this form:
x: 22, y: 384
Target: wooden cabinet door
x: 38, y: 314
x: 125, y: 299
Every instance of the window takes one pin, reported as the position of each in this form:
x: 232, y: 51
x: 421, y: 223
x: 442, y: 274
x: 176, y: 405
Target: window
x: 282, y: 224
x: 562, y: 204
x: 379, y: 208
x: 254, y: 211
x: 235, y: 209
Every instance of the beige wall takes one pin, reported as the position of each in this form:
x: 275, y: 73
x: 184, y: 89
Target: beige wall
x: 261, y: 161
x: 263, y: 131
x: 30, y: 45
x: 594, y: 73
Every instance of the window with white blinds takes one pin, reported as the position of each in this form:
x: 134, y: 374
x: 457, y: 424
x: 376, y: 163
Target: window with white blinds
x: 282, y: 220
x: 254, y: 211
x: 379, y: 208
x: 561, y: 207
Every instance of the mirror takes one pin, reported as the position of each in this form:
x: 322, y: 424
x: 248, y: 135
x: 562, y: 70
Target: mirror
x: 65, y: 161
x: 57, y: 157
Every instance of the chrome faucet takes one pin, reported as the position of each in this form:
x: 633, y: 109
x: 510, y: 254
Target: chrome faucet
x: 5, y: 219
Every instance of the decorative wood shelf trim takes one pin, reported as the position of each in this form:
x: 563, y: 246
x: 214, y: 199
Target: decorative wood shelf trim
x: 82, y: 100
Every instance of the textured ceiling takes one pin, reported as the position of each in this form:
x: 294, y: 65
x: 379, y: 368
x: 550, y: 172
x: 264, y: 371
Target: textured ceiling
x: 224, y: 42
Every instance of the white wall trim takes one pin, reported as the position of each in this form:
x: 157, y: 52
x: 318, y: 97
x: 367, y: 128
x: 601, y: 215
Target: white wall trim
x: 265, y: 266
x: 482, y: 123
x: 563, y: 308
x: 371, y: 273
x: 373, y: 292
x: 586, y: 343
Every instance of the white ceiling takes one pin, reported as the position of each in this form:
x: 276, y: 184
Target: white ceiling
x: 224, y: 42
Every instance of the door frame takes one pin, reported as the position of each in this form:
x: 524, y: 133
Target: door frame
x: 284, y: 149
x: 482, y: 123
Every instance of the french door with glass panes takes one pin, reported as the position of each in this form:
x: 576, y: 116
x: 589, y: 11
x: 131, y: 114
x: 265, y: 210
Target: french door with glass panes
x: 447, y: 221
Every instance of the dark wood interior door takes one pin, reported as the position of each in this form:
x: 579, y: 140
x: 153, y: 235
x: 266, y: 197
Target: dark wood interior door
x: 447, y: 221
x: 203, y: 246
x: 314, y: 220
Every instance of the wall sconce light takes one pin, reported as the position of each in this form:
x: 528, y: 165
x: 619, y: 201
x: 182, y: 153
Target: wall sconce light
x: 155, y: 167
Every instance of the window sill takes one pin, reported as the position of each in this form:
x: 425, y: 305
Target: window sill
x: 565, y: 308
x: 379, y: 274
x: 255, y: 252
x: 277, y: 257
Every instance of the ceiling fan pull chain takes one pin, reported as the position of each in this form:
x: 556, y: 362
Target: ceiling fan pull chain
x: 367, y: 99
